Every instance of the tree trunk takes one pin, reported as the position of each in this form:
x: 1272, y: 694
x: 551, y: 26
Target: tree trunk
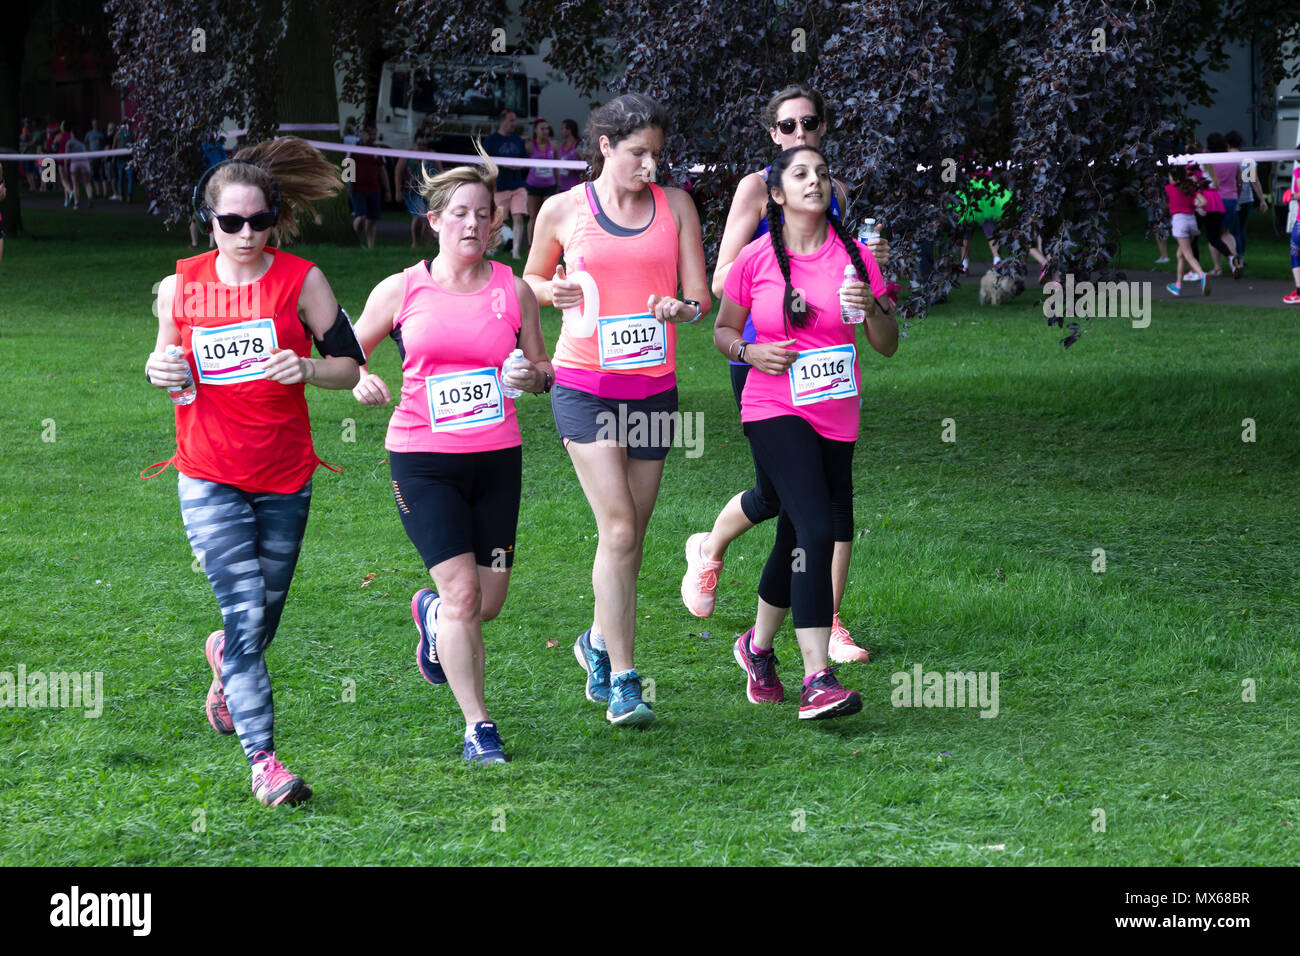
x: 12, y: 44
x: 305, y: 93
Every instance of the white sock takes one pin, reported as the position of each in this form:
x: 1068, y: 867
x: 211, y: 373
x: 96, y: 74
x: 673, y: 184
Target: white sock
x: 617, y: 674
x: 598, y: 641
x: 431, y: 616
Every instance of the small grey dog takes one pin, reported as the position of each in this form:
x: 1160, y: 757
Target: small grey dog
x: 996, y: 289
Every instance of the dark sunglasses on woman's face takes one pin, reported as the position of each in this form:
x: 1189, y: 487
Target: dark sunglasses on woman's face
x: 810, y: 123
x: 232, y: 224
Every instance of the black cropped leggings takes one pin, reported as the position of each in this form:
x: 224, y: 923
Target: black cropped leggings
x: 808, y: 473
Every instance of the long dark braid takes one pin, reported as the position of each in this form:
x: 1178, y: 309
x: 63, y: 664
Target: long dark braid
x: 776, y: 229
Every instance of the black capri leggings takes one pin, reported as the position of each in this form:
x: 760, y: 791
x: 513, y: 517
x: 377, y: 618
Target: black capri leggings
x: 761, y: 503
x: 1214, y: 233
x: 808, y: 472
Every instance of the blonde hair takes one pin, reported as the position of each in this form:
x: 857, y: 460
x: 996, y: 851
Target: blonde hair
x: 301, y: 173
x: 437, y: 190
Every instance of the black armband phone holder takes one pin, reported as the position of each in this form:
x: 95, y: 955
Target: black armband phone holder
x: 341, y: 340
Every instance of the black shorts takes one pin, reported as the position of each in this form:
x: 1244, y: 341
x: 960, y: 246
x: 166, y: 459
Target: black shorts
x: 454, y: 504
x: 542, y: 191
x: 646, y: 427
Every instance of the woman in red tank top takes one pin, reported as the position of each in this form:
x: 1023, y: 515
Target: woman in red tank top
x: 244, y: 317
x: 616, y: 387
x: 453, y: 441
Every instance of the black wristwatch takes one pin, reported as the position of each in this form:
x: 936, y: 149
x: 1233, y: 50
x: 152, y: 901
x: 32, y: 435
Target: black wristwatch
x: 740, y: 352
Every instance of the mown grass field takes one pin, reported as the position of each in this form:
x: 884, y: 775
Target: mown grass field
x: 1120, y: 691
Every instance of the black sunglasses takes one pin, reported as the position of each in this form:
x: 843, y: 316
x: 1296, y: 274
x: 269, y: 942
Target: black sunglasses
x: 232, y: 224
x: 810, y: 123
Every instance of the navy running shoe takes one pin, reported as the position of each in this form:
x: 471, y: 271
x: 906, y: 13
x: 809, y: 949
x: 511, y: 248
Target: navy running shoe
x: 426, y: 650
x: 626, y: 708
x: 483, y: 745
x: 596, y: 663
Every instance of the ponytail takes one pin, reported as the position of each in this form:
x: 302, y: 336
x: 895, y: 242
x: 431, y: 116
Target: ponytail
x: 298, y: 172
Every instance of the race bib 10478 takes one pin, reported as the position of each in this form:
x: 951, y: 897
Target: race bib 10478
x: 233, y: 353
x: 631, y: 341
x: 821, y: 374
x: 466, y: 399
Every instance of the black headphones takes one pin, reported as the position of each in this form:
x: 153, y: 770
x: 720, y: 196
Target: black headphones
x: 203, y: 212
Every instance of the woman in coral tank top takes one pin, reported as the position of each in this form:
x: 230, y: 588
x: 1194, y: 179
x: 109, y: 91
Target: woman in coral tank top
x: 453, y: 442
x: 615, y: 397
x: 244, y: 317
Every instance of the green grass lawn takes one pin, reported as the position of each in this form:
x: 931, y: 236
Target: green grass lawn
x: 1120, y: 691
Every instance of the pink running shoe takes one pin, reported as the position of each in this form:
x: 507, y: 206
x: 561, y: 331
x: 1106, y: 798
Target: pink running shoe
x: 274, y: 785
x: 824, y: 697
x: 842, y: 649
x: 218, y: 712
x: 762, y: 686
x: 701, y: 580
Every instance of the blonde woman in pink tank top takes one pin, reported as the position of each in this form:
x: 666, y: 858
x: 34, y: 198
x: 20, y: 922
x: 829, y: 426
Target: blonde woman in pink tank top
x: 453, y: 440
x: 642, y: 245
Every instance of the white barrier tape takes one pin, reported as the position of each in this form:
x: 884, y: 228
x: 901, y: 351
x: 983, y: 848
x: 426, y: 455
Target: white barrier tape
x: 1259, y: 155
x: 62, y: 157
x: 472, y: 159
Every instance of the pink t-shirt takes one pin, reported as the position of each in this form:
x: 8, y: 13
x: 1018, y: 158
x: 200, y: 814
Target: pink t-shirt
x: 1179, y: 201
x: 1226, y: 174
x: 755, y: 283
x: 453, y: 344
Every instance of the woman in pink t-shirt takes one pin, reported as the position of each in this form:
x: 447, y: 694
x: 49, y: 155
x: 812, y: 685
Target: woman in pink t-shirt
x: 453, y: 441
x: 801, y: 413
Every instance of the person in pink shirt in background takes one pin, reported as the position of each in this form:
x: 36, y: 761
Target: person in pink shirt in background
x: 801, y: 413
x: 570, y: 147
x: 1184, y: 200
x: 1222, y: 178
x: 453, y: 441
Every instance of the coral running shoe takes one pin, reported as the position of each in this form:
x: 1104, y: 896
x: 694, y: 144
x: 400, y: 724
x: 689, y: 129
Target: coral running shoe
x: 762, y: 686
x: 274, y: 785
x: 701, y: 580
x: 218, y: 712
x: 842, y: 650
x: 823, y: 697
x: 426, y: 649
x: 1292, y: 298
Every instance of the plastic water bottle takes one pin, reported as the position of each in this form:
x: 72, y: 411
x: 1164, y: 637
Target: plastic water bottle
x: 513, y: 361
x: 869, y: 229
x: 848, y: 314
x: 582, y: 322
x: 181, y: 394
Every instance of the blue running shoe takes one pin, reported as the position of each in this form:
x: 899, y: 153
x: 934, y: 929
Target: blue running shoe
x: 483, y: 745
x: 426, y: 650
x: 596, y: 663
x: 626, y: 708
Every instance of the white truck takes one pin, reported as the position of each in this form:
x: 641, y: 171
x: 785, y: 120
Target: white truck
x: 527, y: 86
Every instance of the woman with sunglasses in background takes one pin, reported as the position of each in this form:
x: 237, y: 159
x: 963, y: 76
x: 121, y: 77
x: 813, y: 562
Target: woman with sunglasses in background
x: 244, y: 317
x: 796, y: 116
x: 801, y: 410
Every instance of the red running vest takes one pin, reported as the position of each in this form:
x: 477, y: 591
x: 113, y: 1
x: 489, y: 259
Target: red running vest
x: 253, y: 434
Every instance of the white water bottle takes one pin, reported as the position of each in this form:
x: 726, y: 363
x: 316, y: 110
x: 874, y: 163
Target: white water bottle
x: 582, y: 322
x: 185, y: 393
x: 513, y: 361
x: 850, y: 315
